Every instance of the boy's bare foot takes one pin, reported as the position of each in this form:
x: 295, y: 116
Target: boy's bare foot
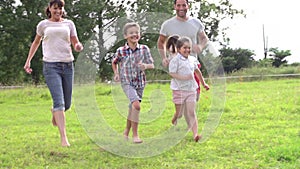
x: 137, y: 140
x: 197, y: 138
x: 65, y: 143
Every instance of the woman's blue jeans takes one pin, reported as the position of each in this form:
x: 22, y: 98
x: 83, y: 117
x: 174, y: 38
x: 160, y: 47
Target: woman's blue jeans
x: 59, y: 79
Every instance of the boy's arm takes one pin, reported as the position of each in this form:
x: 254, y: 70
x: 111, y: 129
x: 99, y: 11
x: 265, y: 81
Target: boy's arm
x: 147, y: 62
x: 115, y: 68
x: 145, y: 66
x: 149, y: 66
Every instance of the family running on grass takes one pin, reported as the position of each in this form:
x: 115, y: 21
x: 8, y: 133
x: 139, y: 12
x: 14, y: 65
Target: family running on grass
x: 181, y: 38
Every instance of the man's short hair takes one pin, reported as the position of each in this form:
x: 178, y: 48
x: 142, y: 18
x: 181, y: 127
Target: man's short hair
x: 187, y: 1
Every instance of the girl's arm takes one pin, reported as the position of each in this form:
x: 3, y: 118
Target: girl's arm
x: 181, y: 77
x: 199, y: 75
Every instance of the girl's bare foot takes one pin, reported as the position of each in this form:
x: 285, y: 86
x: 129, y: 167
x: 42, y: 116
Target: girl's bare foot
x: 174, y: 120
x: 125, y: 134
x: 137, y: 140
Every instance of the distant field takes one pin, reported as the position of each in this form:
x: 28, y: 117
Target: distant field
x: 259, y: 128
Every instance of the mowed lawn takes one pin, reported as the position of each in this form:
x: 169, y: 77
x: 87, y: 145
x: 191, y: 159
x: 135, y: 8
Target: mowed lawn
x: 259, y: 128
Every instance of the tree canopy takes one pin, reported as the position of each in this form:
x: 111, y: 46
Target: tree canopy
x: 279, y: 56
x: 236, y: 59
x: 93, y: 19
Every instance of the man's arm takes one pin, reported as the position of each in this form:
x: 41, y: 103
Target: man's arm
x: 203, y: 40
x: 161, y: 49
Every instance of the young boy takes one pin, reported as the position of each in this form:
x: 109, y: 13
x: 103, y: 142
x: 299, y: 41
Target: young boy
x: 133, y: 59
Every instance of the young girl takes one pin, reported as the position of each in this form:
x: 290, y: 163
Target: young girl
x: 171, y: 51
x: 133, y: 59
x: 184, y: 86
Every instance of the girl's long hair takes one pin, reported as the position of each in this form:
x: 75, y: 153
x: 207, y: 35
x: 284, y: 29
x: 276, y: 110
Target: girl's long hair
x: 171, y: 43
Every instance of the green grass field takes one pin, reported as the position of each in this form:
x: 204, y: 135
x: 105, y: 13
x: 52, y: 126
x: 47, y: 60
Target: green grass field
x: 259, y: 128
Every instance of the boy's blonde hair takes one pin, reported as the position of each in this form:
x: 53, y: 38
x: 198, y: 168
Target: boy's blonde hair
x: 129, y: 25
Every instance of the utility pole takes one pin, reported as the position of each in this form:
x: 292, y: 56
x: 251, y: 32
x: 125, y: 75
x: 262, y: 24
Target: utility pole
x: 265, y: 39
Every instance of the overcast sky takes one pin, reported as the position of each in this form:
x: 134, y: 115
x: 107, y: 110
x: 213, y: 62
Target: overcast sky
x: 280, y: 19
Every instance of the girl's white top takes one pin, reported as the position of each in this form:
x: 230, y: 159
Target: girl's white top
x: 57, y: 40
x: 183, y: 66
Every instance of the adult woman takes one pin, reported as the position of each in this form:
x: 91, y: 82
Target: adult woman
x: 57, y: 34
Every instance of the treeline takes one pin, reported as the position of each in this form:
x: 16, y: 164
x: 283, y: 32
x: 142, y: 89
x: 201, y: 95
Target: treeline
x: 98, y: 25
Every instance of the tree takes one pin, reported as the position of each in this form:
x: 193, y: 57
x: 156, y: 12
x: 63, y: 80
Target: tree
x: 18, y: 26
x: 279, y: 56
x: 212, y: 14
x: 229, y: 64
x: 7, y: 38
x: 93, y: 19
x: 236, y: 59
x: 28, y: 15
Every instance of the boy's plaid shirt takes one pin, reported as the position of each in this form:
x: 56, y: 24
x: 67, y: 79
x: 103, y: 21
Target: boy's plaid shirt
x: 128, y: 61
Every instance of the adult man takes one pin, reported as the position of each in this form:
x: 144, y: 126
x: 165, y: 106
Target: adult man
x: 182, y: 25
